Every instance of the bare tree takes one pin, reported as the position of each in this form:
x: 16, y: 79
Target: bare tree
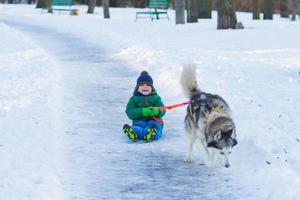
x: 106, y: 9
x: 42, y: 4
x: 180, y: 8
x: 50, y: 10
x: 256, y: 9
x: 268, y: 9
x: 226, y: 14
x: 294, y: 10
x: 192, y: 11
x: 205, y: 8
x: 284, y: 8
x: 138, y: 3
x: 91, y: 6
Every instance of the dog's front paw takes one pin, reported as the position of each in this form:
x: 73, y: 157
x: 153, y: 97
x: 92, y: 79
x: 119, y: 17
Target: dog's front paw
x: 188, y: 159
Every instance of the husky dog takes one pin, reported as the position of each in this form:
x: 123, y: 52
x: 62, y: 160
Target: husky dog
x: 208, y: 122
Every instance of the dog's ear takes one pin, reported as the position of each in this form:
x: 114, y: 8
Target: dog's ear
x: 234, y: 142
x: 218, y: 135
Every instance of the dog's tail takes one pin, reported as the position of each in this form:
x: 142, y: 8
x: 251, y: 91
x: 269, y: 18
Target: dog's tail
x: 188, y: 80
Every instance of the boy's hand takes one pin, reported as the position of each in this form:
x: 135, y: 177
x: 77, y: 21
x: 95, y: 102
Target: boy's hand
x: 150, y: 111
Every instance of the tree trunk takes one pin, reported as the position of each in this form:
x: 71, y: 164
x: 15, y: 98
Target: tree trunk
x: 294, y: 10
x: 91, y: 6
x: 284, y: 8
x: 192, y: 11
x: 139, y: 3
x: 42, y: 4
x: 106, y: 9
x: 83, y: 2
x: 268, y: 9
x: 226, y: 14
x: 179, y: 7
x: 205, y: 8
x: 256, y: 10
x: 50, y: 6
x: 298, y: 7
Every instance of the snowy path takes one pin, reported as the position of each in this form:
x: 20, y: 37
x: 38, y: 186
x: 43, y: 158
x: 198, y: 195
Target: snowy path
x: 101, y: 163
x: 98, y: 161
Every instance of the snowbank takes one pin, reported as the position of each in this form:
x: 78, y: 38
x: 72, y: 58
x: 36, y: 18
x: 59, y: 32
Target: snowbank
x: 30, y: 141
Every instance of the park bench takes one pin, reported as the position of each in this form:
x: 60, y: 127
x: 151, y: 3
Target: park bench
x: 62, y: 5
x: 157, y: 7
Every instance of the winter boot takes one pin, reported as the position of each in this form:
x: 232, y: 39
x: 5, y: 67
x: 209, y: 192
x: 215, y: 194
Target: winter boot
x: 150, y: 133
x: 129, y: 132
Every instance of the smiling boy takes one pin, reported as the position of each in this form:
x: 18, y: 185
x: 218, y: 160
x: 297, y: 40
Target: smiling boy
x: 142, y: 109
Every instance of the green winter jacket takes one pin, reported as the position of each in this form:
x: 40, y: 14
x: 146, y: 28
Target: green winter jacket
x: 139, y: 101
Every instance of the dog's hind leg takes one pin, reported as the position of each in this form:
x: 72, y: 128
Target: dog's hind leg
x: 192, y: 137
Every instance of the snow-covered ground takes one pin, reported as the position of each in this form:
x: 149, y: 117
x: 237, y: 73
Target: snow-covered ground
x: 65, y: 81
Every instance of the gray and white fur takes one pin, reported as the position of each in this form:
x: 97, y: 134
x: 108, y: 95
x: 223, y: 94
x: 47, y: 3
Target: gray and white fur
x: 208, y: 122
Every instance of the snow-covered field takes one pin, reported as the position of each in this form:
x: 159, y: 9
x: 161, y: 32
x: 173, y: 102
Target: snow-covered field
x: 65, y: 81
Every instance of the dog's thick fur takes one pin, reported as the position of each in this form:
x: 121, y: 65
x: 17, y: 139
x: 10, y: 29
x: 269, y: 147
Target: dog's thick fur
x: 208, y: 122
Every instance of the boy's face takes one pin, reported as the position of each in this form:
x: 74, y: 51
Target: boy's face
x: 145, y: 89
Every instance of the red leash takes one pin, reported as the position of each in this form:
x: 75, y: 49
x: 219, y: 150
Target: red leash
x: 173, y: 106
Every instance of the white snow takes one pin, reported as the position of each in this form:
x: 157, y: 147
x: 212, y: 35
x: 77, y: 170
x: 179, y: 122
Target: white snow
x: 65, y: 81
x: 30, y: 143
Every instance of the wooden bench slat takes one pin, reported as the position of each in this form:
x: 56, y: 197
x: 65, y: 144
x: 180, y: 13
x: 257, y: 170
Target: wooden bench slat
x: 62, y: 2
x: 159, y: 6
x: 62, y: 5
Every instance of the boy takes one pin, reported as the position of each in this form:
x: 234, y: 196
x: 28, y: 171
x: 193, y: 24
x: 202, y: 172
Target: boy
x: 141, y: 109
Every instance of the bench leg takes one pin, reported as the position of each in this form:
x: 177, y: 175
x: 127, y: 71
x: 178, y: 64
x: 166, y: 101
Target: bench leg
x: 157, y: 15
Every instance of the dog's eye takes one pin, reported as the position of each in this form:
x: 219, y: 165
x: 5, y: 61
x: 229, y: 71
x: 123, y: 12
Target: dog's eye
x: 229, y: 152
x: 222, y: 153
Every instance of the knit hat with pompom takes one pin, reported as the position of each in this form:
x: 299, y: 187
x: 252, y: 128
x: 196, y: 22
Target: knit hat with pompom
x: 144, y: 78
